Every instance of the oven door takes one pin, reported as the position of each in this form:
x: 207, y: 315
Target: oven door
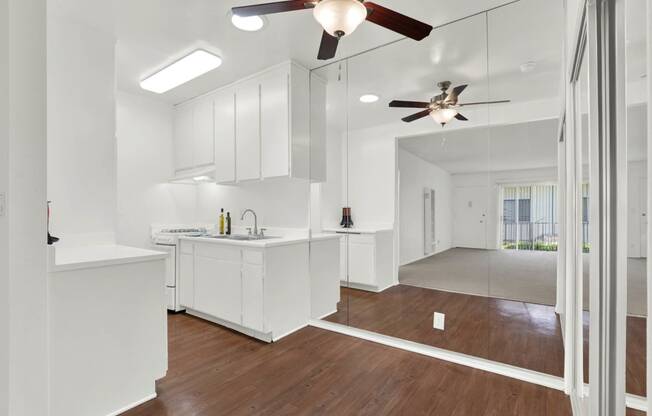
x: 170, y: 275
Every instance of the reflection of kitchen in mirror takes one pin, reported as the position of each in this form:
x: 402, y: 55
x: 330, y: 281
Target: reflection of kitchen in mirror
x: 451, y: 172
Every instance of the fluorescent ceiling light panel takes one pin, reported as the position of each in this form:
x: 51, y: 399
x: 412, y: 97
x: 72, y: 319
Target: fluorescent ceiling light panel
x: 185, y: 69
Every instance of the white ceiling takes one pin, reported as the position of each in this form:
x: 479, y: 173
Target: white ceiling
x: 512, y: 146
x: 481, y: 149
x: 484, y: 51
x: 153, y: 33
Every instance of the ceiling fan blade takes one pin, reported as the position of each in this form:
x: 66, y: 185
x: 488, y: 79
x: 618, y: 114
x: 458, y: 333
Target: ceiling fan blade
x: 452, y: 97
x: 420, y: 114
x: 484, y: 102
x: 461, y: 117
x: 397, y: 22
x: 409, y: 104
x: 271, y: 8
x: 328, y: 46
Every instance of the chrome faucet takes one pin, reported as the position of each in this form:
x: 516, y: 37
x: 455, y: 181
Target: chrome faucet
x: 255, y: 220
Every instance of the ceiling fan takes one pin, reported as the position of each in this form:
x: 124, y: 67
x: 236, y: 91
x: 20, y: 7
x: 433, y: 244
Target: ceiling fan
x: 340, y: 18
x: 443, y: 107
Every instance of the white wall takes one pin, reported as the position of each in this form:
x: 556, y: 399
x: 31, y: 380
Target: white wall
x: 4, y: 222
x: 416, y: 176
x: 24, y: 171
x: 491, y: 184
x: 144, y: 165
x: 81, y: 127
x: 278, y: 203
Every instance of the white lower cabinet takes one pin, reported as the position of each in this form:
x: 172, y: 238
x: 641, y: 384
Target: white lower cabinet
x: 218, y: 288
x: 262, y: 292
x: 252, y: 297
x: 366, y: 259
x: 186, y: 279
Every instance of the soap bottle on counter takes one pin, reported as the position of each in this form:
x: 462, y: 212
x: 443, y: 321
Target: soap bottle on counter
x: 228, y: 223
x: 221, y: 223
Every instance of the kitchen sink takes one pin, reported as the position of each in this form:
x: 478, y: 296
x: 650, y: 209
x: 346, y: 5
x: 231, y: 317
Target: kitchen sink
x: 238, y: 237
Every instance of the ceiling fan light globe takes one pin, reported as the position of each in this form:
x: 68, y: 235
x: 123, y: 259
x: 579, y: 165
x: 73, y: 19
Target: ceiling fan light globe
x: 340, y: 18
x: 443, y: 115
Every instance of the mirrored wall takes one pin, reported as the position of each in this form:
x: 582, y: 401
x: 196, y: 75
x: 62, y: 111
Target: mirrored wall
x: 449, y: 233
x: 637, y: 239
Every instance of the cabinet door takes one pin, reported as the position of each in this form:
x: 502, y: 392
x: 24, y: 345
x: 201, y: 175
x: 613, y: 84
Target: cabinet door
x: 252, y: 297
x: 362, y: 262
x: 275, y: 123
x: 183, y: 137
x: 218, y: 289
x: 203, y: 145
x: 225, y: 137
x: 186, y: 285
x: 343, y: 257
x: 247, y: 131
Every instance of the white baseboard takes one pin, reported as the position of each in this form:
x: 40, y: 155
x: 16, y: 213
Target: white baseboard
x: 262, y: 336
x: 636, y: 402
x: 289, y: 333
x: 327, y: 314
x: 507, y: 370
x: 132, y: 405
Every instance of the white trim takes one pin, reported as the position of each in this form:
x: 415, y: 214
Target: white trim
x: 262, y: 336
x: 134, y: 404
x: 324, y: 316
x: 290, y: 332
x: 635, y: 402
x: 365, y: 287
x: 507, y: 370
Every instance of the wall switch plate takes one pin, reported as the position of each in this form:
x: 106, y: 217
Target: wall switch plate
x: 3, y: 204
x: 438, y: 321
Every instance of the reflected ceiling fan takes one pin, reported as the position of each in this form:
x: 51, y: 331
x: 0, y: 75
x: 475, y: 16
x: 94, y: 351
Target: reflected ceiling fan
x: 443, y: 107
x: 340, y: 18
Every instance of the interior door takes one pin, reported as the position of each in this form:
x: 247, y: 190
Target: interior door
x: 470, y: 216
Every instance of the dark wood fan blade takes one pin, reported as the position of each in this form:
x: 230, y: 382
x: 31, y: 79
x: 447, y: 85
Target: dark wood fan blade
x: 452, y: 97
x: 271, y: 8
x: 409, y: 104
x: 328, y: 46
x: 484, y: 102
x: 397, y: 22
x: 461, y: 117
x: 420, y: 114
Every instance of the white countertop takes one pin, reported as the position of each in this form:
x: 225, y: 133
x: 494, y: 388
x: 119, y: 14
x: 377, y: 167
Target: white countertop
x: 357, y: 230
x: 270, y: 242
x: 62, y: 258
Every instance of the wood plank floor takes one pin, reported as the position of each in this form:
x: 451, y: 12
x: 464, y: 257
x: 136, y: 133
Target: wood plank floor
x: 517, y: 333
x: 636, y: 359
x: 214, y: 371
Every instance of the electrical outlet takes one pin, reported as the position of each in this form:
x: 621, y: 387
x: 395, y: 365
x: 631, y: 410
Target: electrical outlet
x: 3, y: 204
x: 438, y: 321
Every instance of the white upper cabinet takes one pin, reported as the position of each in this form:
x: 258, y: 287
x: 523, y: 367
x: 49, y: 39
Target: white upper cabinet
x: 183, y: 138
x: 257, y: 128
x: 247, y: 130
x: 225, y: 136
x: 203, y: 126
x: 193, y: 135
x: 275, y: 123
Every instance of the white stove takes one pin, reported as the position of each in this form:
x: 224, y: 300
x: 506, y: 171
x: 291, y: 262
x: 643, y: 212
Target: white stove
x: 166, y: 238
